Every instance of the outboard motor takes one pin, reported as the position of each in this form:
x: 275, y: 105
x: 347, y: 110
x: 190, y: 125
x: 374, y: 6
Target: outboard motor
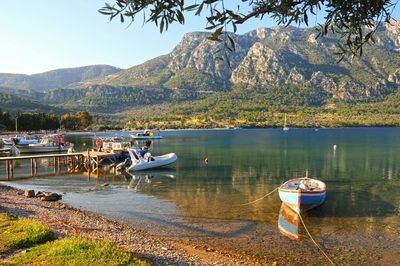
x: 147, y: 157
x: 124, y: 164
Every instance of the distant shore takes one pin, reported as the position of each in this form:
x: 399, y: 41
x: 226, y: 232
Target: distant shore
x: 92, y: 133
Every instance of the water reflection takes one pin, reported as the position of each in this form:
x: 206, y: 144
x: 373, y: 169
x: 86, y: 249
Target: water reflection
x: 357, y: 201
x: 362, y: 176
x: 289, y: 222
x: 137, y: 178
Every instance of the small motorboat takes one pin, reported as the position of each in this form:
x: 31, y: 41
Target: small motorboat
x: 147, y: 134
x: 289, y: 222
x: 137, y: 162
x: 302, y: 194
x: 49, y: 143
x: 20, y: 140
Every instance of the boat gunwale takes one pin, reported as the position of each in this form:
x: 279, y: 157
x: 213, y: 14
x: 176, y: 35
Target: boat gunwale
x: 297, y: 191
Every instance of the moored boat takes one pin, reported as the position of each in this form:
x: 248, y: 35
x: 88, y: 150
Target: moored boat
x: 49, y: 143
x: 137, y: 162
x: 147, y: 134
x: 302, y: 194
x: 20, y: 140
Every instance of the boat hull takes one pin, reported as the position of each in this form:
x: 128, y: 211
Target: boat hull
x: 159, y: 161
x: 289, y: 222
x: 21, y: 142
x: 300, y: 200
x: 40, y: 149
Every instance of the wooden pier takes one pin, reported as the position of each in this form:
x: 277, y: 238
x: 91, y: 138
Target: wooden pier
x: 88, y: 162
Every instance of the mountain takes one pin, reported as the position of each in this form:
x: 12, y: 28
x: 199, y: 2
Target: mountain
x: 274, y: 56
x: 59, y: 78
x: 281, y: 69
x: 14, y: 104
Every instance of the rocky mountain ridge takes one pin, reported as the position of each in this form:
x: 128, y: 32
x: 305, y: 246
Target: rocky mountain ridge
x: 275, y: 56
x: 262, y: 58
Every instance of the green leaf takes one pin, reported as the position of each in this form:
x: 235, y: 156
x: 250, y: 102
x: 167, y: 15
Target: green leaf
x: 199, y: 9
x: 232, y: 42
x: 192, y: 7
x: 162, y: 25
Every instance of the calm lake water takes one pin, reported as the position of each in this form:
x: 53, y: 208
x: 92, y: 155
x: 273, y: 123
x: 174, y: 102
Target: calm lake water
x: 201, y: 200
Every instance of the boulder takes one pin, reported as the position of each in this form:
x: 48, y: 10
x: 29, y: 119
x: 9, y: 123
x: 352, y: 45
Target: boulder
x: 51, y: 197
x: 29, y: 193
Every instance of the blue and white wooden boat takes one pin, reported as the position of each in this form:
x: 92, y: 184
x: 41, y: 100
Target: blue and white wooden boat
x: 302, y: 194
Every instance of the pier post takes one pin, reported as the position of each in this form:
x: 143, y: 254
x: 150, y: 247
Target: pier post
x: 97, y: 169
x: 8, y: 169
x: 12, y: 169
x: 88, y: 160
x: 54, y: 164
x: 32, y: 168
x: 35, y: 165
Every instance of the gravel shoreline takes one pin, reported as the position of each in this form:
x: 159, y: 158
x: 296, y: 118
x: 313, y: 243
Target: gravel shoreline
x: 261, y: 247
x: 66, y: 220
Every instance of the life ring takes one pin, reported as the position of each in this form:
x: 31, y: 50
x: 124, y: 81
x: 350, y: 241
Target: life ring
x: 99, y: 143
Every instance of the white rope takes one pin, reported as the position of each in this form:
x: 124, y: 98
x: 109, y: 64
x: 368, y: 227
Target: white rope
x: 266, y: 195
x: 315, y: 243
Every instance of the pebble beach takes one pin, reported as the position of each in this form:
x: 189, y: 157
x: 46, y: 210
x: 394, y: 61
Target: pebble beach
x: 263, y: 248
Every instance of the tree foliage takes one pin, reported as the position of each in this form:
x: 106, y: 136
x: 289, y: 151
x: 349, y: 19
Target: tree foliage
x: 37, y: 121
x: 29, y: 121
x: 79, y: 121
x: 5, y: 121
x: 355, y: 21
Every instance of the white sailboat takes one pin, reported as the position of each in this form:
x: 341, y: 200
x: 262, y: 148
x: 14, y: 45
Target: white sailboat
x: 285, y: 128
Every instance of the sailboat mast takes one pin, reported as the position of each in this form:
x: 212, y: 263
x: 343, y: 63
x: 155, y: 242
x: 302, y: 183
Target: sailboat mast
x: 285, y: 128
x: 284, y: 125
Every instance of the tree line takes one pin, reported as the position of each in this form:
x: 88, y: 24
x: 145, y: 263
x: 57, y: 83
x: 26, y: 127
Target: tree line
x: 35, y: 121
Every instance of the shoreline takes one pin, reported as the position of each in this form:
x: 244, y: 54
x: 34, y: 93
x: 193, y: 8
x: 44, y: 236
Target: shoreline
x: 262, y: 247
x: 93, y: 132
x: 66, y: 220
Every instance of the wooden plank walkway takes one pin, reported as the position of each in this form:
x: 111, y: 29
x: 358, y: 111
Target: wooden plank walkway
x: 89, y: 161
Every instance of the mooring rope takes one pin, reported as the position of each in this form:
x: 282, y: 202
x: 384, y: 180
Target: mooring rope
x: 266, y: 195
x: 315, y: 243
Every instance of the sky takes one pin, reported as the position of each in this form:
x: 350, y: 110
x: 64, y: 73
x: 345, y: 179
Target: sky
x: 42, y: 35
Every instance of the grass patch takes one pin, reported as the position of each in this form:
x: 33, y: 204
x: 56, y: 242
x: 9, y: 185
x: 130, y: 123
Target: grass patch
x: 15, y: 233
x: 75, y: 251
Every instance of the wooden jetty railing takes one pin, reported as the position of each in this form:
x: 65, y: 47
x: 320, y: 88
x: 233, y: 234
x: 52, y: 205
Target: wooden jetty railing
x: 88, y: 161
